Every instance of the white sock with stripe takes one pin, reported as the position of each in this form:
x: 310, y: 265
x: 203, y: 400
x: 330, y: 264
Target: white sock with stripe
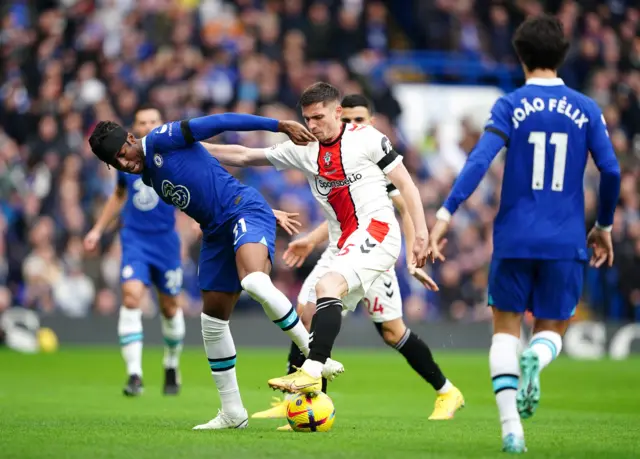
x: 547, y: 344
x: 130, y: 335
x: 505, y: 372
x: 173, y: 330
x: 277, y: 307
x: 221, y: 353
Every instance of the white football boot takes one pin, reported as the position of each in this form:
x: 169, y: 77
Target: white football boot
x: 223, y: 421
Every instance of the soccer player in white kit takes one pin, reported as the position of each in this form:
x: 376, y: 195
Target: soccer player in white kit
x: 382, y: 300
x: 347, y: 170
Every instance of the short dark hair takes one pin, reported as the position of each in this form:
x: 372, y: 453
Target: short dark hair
x: 319, y: 93
x: 357, y: 100
x: 101, y: 133
x: 540, y: 43
x: 144, y: 107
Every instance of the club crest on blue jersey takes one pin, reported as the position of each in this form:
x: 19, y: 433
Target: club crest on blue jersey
x: 127, y: 272
x: 179, y: 195
x: 157, y: 160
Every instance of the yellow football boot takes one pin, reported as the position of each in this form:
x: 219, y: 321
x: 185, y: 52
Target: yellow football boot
x: 447, y: 405
x: 278, y: 410
x: 299, y: 382
x: 286, y: 428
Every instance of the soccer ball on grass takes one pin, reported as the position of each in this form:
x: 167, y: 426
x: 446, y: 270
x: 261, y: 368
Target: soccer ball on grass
x: 311, y: 413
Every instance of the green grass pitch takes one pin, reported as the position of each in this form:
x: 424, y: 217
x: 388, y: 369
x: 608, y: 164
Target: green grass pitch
x: 69, y: 405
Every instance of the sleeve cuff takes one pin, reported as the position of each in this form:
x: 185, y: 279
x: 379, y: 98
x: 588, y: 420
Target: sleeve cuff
x: 604, y: 228
x: 443, y: 214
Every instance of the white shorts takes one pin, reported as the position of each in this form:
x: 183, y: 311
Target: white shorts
x: 367, y: 265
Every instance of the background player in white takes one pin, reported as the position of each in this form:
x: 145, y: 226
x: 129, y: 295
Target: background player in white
x: 539, y: 238
x: 347, y: 170
x: 150, y: 254
x: 382, y: 300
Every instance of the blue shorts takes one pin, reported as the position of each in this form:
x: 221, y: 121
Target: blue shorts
x: 217, y: 269
x: 550, y: 289
x: 152, y: 258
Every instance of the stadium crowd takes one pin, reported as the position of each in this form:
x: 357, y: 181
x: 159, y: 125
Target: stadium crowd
x: 64, y: 65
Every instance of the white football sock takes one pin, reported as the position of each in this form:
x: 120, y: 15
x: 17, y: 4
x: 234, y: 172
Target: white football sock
x: 173, y: 331
x: 221, y: 352
x: 505, y: 372
x: 446, y: 388
x: 130, y: 334
x: 313, y: 367
x: 277, y: 307
x: 547, y: 344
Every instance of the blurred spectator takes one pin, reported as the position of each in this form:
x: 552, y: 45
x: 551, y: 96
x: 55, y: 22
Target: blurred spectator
x: 66, y: 67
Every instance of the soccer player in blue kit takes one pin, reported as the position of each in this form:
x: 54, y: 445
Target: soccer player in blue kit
x: 147, y: 225
x: 238, y: 229
x: 539, y: 240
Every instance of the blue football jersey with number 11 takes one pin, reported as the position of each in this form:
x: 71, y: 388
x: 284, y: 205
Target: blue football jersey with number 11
x: 539, y: 236
x: 548, y: 130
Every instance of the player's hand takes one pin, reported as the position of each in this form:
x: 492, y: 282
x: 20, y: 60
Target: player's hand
x: 423, y: 277
x: 420, y: 249
x: 437, y: 240
x: 92, y: 239
x: 287, y: 221
x: 298, y: 251
x: 296, y: 132
x: 600, y: 241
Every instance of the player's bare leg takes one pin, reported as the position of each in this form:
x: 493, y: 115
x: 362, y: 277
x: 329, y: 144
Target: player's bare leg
x: 130, y: 335
x: 221, y: 353
x: 505, y: 373
x: 173, y: 330
x: 396, y: 335
x: 325, y: 327
x: 254, y: 266
x: 544, y: 347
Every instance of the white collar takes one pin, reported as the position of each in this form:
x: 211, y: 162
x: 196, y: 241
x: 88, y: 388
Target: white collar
x: 545, y: 81
x: 144, y: 145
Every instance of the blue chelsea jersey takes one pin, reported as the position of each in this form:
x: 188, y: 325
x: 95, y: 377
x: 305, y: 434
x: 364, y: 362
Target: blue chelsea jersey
x: 143, y: 210
x: 186, y: 176
x: 548, y: 130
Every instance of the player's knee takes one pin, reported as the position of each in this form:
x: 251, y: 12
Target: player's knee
x: 256, y: 284
x: 218, y: 304
x: 168, y: 306
x: 331, y: 285
x: 131, y: 298
x: 306, y: 315
x: 391, y: 332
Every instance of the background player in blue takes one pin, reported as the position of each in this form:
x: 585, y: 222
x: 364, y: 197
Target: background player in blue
x: 237, y: 224
x: 540, y: 246
x: 150, y: 254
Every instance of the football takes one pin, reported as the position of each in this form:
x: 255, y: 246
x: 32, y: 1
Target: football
x: 307, y: 413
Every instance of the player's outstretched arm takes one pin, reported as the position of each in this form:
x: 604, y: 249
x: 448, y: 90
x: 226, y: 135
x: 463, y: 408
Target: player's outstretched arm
x: 604, y: 156
x: 400, y: 177
x: 287, y: 221
x: 474, y: 170
x: 205, y: 127
x: 301, y: 248
x: 111, y: 210
x: 407, y: 226
x: 409, y: 237
x: 237, y: 155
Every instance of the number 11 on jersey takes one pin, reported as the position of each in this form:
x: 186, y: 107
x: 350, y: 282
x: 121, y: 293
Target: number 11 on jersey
x: 539, y: 141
